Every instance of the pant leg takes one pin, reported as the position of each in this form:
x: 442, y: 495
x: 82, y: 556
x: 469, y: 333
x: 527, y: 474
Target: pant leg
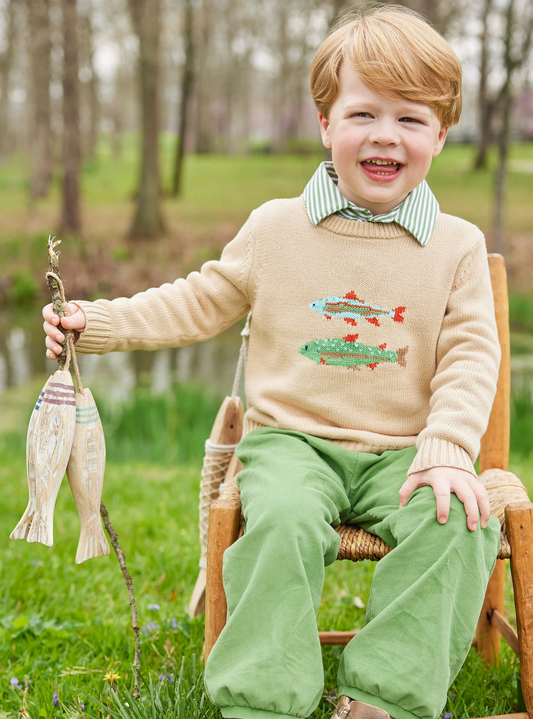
x: 267, y: 661
x: 426, y: 595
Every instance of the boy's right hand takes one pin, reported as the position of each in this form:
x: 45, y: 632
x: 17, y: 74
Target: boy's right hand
x: 75, y: 321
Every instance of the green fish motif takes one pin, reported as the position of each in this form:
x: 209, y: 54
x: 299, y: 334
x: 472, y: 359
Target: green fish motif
x: 346, y: 352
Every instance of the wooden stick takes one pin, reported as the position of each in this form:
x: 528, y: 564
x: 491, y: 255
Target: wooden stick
x: 336, y: 637
x: 224, y: 525
x: 519, y: 521
x: 506, y: 630
x: 488, y: 637
x: 113, y: 538
x: 227, y: 430
x: 521, y: 715
x: 495, y: 442
x: 495, y: 454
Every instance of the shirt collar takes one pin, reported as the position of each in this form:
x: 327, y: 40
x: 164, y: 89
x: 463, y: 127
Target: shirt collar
x: 417, y: 213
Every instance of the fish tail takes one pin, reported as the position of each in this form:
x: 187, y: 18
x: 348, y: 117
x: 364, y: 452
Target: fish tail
x: 401, y: 356
x: 41, y: 531
x: 23, y: 527
x: 398, y: 314
x: 93, y: 542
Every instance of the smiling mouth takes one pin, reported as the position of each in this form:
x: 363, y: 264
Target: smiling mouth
x: 381, y: 169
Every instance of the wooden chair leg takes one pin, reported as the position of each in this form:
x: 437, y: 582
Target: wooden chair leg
x: 224, y: 525
x: 487, y: 636
x: 519, y: 520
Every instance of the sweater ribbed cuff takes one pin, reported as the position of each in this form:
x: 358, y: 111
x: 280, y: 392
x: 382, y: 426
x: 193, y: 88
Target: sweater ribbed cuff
x: 97, y: 333
x: 441, y: 453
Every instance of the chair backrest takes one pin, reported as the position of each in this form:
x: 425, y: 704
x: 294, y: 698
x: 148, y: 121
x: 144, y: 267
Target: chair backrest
x: 495, y: 442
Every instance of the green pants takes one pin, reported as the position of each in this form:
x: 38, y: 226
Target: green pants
x: 424, y: 604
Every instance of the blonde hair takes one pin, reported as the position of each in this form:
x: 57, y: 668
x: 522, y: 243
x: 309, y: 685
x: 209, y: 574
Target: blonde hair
x: 397, y: 53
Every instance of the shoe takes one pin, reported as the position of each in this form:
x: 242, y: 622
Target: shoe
x: 350, y: 709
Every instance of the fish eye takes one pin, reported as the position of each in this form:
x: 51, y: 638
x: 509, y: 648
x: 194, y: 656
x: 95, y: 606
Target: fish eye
x: 306, y: 347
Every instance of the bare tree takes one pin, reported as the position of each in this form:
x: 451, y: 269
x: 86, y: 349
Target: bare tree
x: 485, y: 103
x: 71, y: 214
x: 6, y: 61
x: 516, y: 53
x: 90, y: 82
x: 40, y: 62
x: 186, y: 88
x: 204, y: 83
x: 148, y: 220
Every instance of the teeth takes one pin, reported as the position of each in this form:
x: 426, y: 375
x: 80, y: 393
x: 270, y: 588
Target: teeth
x: 382, y: 162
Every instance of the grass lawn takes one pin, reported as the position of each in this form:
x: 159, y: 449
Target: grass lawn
x: 63, y: 627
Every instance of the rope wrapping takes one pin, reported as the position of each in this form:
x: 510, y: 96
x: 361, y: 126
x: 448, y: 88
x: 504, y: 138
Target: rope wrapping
x: 215, y: 465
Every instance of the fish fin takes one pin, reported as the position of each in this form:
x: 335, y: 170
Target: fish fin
x: 328, y: 317
x: 373, y: 365
x: 352, y: 296
x: 23, y: 527
x: 350, y: 321
x: 322, y: 360
x: 373, y: 321
x: 42, y: 531
x: 383, y: 346
x: 398, y: 316
x: 93, y: 542
x: 350, y: 338
x: 355, y: 367
x: 401, y: 356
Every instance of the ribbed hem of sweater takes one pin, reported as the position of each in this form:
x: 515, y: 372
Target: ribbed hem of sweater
x: 441, y: 453
x: 96, y: 337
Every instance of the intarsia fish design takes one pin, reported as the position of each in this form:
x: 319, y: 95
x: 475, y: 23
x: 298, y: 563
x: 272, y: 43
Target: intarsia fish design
x: 85, y: 472
x: 350, y: 308
x: 49, y: 441
x: 347, y: 352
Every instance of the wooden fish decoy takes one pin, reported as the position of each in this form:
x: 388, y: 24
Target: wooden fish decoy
x: 49, y: 442
x: 23, y: 527
x: 85, y: 472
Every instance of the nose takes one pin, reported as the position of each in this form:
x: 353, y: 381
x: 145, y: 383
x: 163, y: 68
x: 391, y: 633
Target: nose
x: 384, y: 132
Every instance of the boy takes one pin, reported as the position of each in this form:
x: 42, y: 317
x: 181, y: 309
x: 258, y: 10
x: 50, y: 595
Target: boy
x: 372, y: 368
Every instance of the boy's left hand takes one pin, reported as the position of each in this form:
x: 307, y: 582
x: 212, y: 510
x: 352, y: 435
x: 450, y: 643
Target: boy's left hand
x: 444, y: 481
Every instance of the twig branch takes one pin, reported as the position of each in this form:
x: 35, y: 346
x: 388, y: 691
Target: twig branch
x: 57, y: 302
x: 113, y: 538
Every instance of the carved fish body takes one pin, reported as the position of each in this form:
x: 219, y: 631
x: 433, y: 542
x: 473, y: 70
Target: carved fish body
x: 50, y: 436
x: 85, y: 472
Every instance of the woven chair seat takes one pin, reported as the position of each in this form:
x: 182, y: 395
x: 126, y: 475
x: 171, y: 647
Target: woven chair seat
x: 502, y: 487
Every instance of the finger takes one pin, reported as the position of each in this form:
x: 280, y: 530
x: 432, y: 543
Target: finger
x: 407, y: 489
x: 466, y: 494
x: 53, y: 347
x: 49, y: 314
x: 442, y: 495
x: 483, y: 501
x: 76, y: 319
x: 53, y: 332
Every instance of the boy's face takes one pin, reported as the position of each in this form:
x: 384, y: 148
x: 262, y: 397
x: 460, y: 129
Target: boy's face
x: 364, y: 127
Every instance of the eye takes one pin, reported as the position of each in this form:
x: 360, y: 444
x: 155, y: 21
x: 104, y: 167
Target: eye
x: 360, y: 114
x: 409, y: 119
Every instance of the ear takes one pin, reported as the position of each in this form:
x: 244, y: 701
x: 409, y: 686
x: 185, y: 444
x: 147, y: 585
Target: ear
x: 324, y: 131
x: 439, y: 144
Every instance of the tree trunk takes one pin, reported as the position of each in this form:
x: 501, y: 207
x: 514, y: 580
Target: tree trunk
x: 40, y: 47
x: 6, y: 61
x: 148, y: 220
x: 485, y: 107
x: 186, y: 87
x: 204, y: 134
x: 71, y: 215
x: 93, y: 101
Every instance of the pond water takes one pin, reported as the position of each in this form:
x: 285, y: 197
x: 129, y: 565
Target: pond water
x: 212, y: 363
x: 22, y: 358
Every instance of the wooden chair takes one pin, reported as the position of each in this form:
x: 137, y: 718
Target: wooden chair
x: 509, y: 502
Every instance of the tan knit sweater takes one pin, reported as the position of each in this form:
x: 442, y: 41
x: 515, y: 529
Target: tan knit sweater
x: 409, y: 355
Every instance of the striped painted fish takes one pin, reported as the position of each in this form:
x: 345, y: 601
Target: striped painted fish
x: 85, y: 472
x: 346, y: 352
x: 49, y: 441
x: 350, y: 308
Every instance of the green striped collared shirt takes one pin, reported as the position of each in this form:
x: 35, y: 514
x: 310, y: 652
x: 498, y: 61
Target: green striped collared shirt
x: 417, y: 213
